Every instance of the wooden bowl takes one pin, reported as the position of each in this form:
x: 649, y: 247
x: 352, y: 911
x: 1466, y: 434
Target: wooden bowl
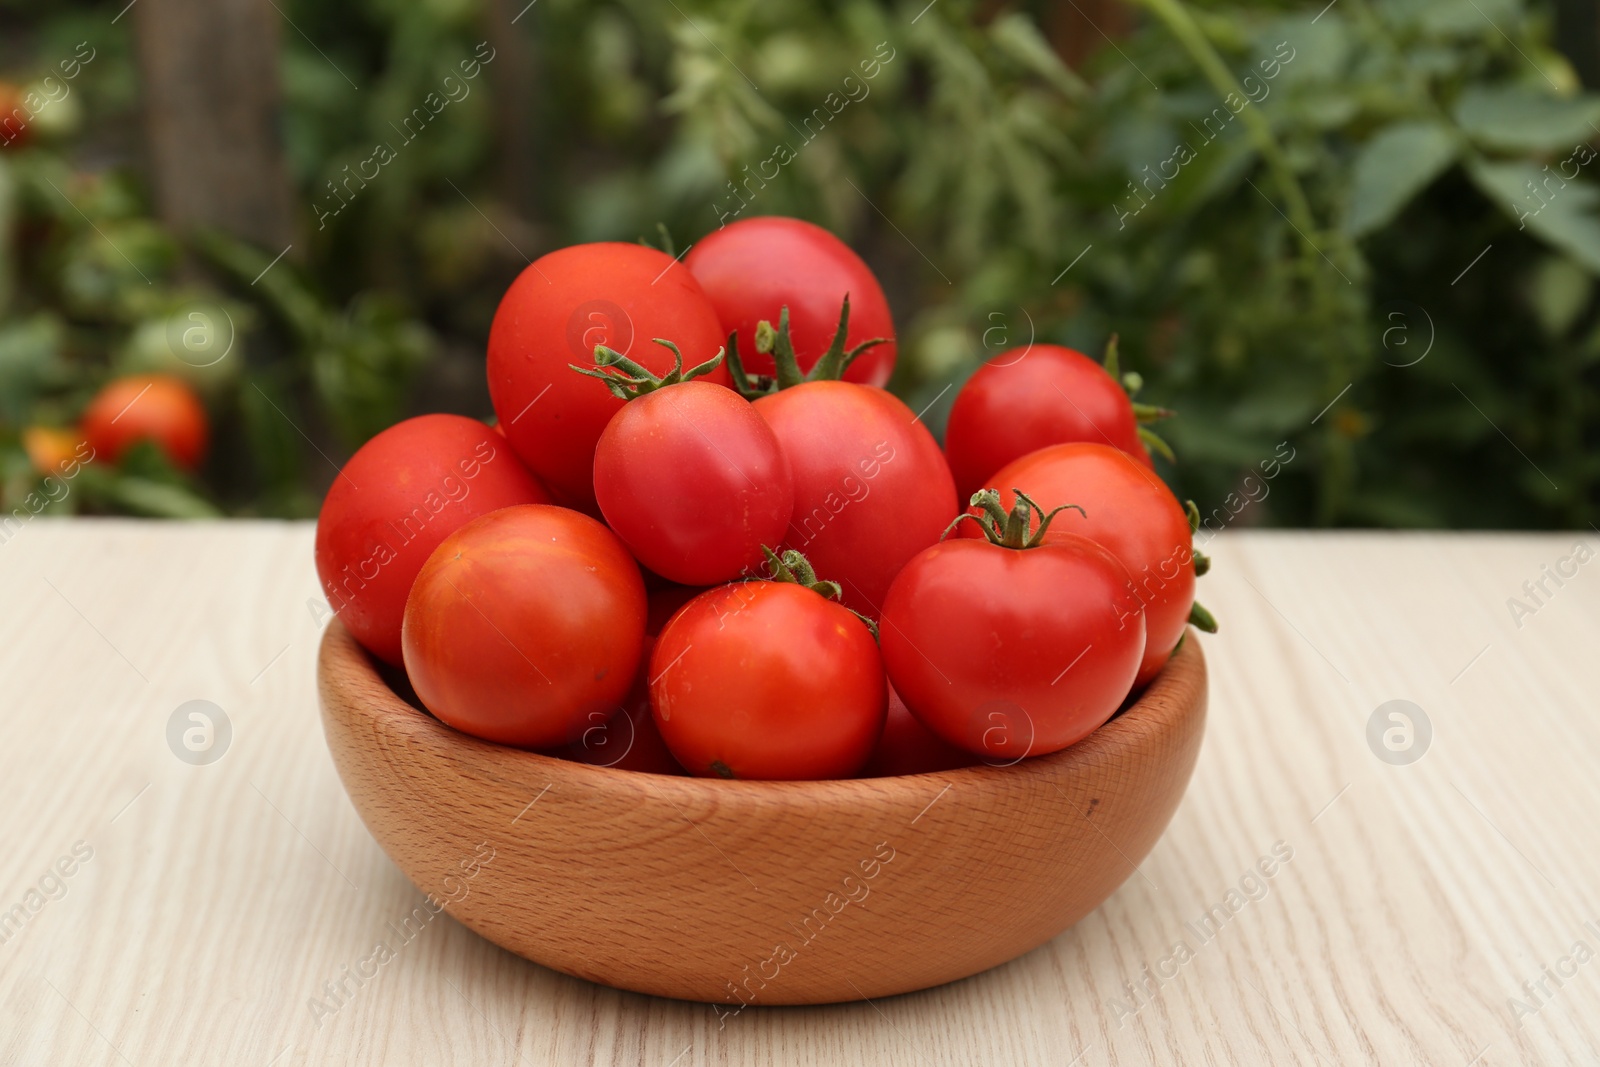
x: 759, y: 892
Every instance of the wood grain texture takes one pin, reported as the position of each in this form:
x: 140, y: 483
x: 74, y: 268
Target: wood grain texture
x: 759, y: 893
x: 1417, y: 901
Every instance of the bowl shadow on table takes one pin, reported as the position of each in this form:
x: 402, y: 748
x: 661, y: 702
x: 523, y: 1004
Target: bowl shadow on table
x: 759, y: 893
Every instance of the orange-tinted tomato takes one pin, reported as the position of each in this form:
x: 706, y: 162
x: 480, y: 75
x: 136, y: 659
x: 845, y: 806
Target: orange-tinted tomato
x: 524, y: 623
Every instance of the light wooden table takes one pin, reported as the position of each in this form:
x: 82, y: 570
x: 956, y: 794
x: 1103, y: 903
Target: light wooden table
x: 207, y: 905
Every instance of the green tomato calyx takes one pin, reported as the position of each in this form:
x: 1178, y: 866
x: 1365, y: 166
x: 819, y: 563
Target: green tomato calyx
x: 775, y: 341
x: 794, y: 568
x: 1010, y: 529
x: 627, y: 379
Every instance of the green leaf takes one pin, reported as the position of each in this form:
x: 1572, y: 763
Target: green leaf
x: 1520, y: 119
x: 1393, y: 167
x: 1018, y: 36
x: 158, y: 499
x: 1561, y: 214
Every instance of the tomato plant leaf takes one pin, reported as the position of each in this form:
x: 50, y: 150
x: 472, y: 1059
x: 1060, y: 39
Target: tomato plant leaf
x: 1394, y: 167
x: 1561, y: 213
x: 1516, y: 118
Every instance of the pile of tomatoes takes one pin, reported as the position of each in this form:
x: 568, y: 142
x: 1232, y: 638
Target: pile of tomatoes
x: 702, y: 537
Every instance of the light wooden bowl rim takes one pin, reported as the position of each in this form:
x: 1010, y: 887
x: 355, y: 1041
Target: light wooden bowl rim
x: 1176, y: 693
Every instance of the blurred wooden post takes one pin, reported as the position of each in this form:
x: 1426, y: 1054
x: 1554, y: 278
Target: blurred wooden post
x: 1080, y: 29
x: 209, y: 74
x: 513, y: 75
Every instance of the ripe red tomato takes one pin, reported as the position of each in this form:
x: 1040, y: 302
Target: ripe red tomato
x: 523, y: 623
x: 767, y: 680
x: 908, y: 747
x: 1132, y: 513
x: 1011, y: 652
x: 753, y: 268
x: 555, y: 313
x: 871, y: 488
x: 1030, y: 398
x: 627, y: 739
x: 147, y: 407
x: 694, y: 481
x: 401, y: 494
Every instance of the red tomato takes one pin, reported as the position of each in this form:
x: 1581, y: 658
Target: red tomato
x: 694, y: 482
x: 753, y: 268
x: 908, y: 747
x: 555, y: 313
x: 1029, y: 398
x: 523, y: 623
x: 147, y: 407
x: 767, y: 680
x: 1131, y: 512
x: 1013, y: 652
x: 401, y: 494
x: 628, y: 739
x: 871, y: 488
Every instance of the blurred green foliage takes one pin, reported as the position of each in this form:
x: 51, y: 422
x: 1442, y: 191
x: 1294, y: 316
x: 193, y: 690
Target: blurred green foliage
x: 1368, y: 230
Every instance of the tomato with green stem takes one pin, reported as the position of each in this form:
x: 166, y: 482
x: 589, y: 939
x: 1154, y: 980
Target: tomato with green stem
x: 687, y: 473
x: 769, y: 679
x: 1018, y: 643
x: 556, y: 312
x: 751, y: 268
x: 1129, y: 510
x: 871, y: 487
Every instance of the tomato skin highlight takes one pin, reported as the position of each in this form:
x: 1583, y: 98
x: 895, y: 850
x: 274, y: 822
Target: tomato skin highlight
x: 523, y: 623
x: 753, y: 268
x: 871, y: 487
x: 1132, y: 513
x: 1009, y: 653
x: 694, y: 482
x: 559, y: 308
x: 1026, y: 399
x: 153, y: 407
x: 768, y: 680
x: 398, y: 497
x: 908, y: 747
